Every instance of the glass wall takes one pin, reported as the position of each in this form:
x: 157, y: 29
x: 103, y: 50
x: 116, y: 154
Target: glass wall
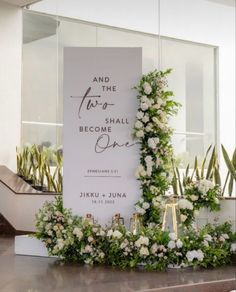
x: 193, y: 78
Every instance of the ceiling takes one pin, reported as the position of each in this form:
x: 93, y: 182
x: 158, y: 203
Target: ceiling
x: 224, y: 2
x: 20, y: 3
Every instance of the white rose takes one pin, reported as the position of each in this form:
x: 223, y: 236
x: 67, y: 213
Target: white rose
x: 151, y: 143
x: 88, y: 249
x: 147, y: 88
x: 185, y: 204
x: 138, y: 125
x: 194, y: 198
x: 233, y: 247
x: 146, y: 205
x: 172, y: 236
x: 226, y: 236
x: 216, y: 200
x: 179, y: 243
x: 154, y: 248
x: 144, y: 106
x: 145, y: 119
x: 140, y: 115
x: 117, y: 234
x: 90, y: 239
x: 140, y: 134
x: 196, y: 212
x: 171, y: 244
x: 60, y: 243
x: 155, y: 120
x: 158, y: 161
x: 140, y: 210
x: 78, y: 232
x: 144, y: 251
x: 109, y: 233
x: 183, y: 218
x: 208, y: 237
x: 142, y: 241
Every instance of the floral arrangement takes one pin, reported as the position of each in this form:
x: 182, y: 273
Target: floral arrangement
x: 75, y: 239
x: 154, y: 134
x: 198, y: 194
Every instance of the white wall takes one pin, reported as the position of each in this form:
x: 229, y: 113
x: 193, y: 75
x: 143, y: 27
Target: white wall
x: 194, y: 20
x: 10, y: 82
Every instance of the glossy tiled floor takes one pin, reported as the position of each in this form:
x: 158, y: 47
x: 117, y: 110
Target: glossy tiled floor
x: 35, y: 274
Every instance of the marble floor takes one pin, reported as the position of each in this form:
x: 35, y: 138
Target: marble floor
x: 35, y: 274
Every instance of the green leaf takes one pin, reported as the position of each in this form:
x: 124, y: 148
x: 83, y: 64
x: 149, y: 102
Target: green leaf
x: 228, y: 163
x: 225, y: 184
x: 211, y: 164
x: 230, y: 186
x: 204, y: 162
x: 179, y: 181
x: 217, y: 176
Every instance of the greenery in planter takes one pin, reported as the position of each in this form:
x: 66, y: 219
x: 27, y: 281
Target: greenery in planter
x: 34, y: 165
x: 210, y: 172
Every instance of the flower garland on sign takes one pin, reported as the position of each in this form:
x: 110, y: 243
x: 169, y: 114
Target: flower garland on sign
x: 154, y: 134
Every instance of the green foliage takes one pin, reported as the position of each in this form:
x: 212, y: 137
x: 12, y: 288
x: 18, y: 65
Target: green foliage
x: 34, y: 164
x: 74, y: 239
x: 154, y: 134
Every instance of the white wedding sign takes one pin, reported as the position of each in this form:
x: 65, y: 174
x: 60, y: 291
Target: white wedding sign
x: 100, y: 155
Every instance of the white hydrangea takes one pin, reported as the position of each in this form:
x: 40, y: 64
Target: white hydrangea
x: 195, y: 254
x: 78, y: 232
x: 205, y: 185
x: 117, y: 234
x: 152, y: 142
x: 185, y: 204
x: 147, y: 88
x: 143, y: 240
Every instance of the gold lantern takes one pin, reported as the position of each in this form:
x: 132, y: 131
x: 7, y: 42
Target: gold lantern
x: 88, y: 219
x: 171, y: 206
x: 135, y: 224
x: 117, y: 220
